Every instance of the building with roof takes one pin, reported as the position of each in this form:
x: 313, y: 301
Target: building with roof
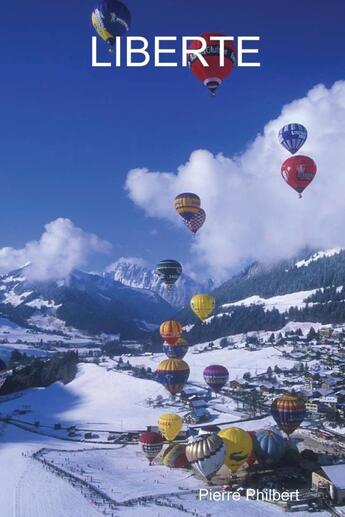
x: 331, y: 480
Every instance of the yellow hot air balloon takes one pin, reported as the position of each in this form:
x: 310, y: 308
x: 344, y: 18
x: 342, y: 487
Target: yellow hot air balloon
x: 170, y: 425
x: 203, y: 305
x: 239, y: 445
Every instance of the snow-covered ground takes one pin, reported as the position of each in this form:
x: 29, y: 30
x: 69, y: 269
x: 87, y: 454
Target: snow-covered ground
x: 282, y: 303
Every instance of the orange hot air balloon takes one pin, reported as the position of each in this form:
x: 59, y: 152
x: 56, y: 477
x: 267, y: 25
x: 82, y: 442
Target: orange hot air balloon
x: 171, y: 331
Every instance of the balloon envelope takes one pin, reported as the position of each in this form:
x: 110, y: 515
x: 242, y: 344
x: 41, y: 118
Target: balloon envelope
x: 187, y: 205
x: 214, y: 74
x: 269, y: 445
x: 152, y: 444
x: 173, y: 374
x: 238, y: 445
x: 171, y: 331
x: 206, y: 453
x: 177, y: 351
x: 292, y: 137
x: 203, y: 305
x: 289, y: 412
x: 170, y: 425
x: 111, y: 18
x: 196, y: 222
x: 175, y: 456
x: 169, y: 271
x: 216, y: 376
x: 298, y: 172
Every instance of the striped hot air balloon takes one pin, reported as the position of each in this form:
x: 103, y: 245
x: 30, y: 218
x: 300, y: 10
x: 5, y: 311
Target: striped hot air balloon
x: 216, y: 376
x: 292, y: 137
x: 169, y: 271
x: 206, y: 454
x: 173, y: 374
x: 187, y: 205
x: 152, y: 444
x: 171, y: 331
x: 197, y: 221
x: 289, y: 412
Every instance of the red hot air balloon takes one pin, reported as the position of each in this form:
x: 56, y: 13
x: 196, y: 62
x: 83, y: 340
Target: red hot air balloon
x: 152, y: 444
x: 299, y: 172
x: 214, y: 74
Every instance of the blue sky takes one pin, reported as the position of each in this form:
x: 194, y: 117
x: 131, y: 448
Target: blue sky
x: 71, y: 133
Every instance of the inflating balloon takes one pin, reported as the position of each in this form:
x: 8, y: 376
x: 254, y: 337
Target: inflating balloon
x: 238, y: 445
x: 187, y: 205
x: 152, y: 444
x: 169, y: 271
x: 196, y: 222
x: 173, y: 375
x: 178, y: 350
x: 170, y: 425
x: 214, y: 74
x: 289, y: 412
x: 111, y: 18
x: 292, y: 137
x: 298, y: 172
x: 269, y: 445
x: 175, y: 457
x: 216, y: 376
x: 203, y: 305
x: 206, y: 454
x: 171, y: 331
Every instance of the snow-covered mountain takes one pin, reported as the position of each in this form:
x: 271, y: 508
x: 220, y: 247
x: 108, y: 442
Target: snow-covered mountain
x: 89, y: 302
x: 135, y: 273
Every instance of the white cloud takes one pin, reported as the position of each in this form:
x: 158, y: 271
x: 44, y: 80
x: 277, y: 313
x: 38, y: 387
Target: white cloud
x: 61, y: 248
x: 251, y: 212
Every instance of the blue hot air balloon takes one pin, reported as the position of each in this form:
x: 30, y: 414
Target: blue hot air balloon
x: 177, y: 351
x: 173, y: 374
x: 216, y: 376
x: 111, y: 18
x: 269, y: 445
x: 292, y: 137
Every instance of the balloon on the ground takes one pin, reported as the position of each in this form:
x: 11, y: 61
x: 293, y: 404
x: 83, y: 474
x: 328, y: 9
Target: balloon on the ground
x: 178, y: 350
x: 187, y: 205
x: 252, y: 456
x: 206, y: 454
x: 169, y: 271
x: 111, y: 18
x: 203, y: 305
x: 214, y: 74
x: 173, y: 375
x: 298, y: 172
x: 171, y: 331
x: 269, y: 445
x: 216, y: 376
x: 292, y: 137
x: 196, y: 222
x: 289, y: 412
x: 152, y: 444
x: 170, y: 425
x: 238, y: 445
x: 175, y: 457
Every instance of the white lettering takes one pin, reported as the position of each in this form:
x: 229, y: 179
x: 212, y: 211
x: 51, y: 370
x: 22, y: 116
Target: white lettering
x: 159, y: 51
x: 142, y: 50
x: 242, y: 50
x: 95, y: 63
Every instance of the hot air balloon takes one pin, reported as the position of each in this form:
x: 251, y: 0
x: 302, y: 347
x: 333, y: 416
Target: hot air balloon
x: 292, y: 137
x: 206, y: 453
x: 196, y: 222
x: 298, y: 172
x: 173, y: 374
x: 175, y: 457
x: 170, y: 425
x: 169, y: 271
x: 203, y: 305
x: 171, y: 331
x: 269, y: 445
x: 252, y: 456
x: 187, y: 205
x: 216, y: 376
x: 152, y: 444
x: 178, y: 350
x: 238, y: 445
x: 213, y: 75
x: 111, y: 18
x: 289, y: 412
